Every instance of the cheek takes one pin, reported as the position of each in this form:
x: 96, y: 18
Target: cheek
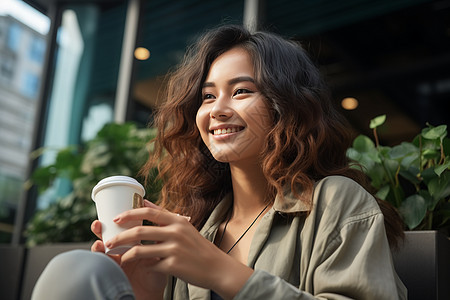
x: 258, y: 116
x: 202, y: 121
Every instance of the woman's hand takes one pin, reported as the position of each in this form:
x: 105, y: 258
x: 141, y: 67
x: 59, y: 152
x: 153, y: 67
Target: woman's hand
x: 146, y: 283
x: 178, y: 250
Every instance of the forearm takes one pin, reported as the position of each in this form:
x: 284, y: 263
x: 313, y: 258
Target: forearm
x: 262, y: 285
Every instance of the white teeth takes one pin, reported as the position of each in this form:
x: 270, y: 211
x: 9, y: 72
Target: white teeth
x: 225, y: 130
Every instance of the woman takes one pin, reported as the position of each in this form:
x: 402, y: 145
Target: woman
x: 254, y: 155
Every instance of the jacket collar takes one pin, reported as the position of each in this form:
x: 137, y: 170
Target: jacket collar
x: 289, y: 203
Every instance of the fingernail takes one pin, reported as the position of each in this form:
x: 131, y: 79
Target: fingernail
x: 116, y: 219
x: 108, y: 244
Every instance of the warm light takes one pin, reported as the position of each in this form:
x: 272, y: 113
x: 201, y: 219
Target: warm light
x: 349, y: 103
x: 141, y: 53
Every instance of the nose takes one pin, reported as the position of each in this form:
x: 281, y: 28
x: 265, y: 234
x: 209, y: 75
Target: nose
x: 221, y: 109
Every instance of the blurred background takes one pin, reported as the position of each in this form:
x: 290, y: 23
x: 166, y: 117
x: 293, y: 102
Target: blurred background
x: 68, y: 67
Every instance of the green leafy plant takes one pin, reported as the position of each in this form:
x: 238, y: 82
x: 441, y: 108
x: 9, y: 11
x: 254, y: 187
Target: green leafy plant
x: 117, y: 149
x: 412, y: 176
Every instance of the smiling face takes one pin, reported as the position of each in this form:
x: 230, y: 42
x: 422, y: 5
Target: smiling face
x: 234, y: 118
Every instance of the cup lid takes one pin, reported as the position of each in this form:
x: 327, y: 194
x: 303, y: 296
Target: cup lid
x: 116, y: 180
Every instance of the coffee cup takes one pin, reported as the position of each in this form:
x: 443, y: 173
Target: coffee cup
x: 112, y: 196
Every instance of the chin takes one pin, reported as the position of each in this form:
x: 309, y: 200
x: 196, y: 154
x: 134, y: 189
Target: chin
x: 220, y: 157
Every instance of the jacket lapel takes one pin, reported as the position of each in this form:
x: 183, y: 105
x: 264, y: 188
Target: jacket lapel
x: 260, y: 237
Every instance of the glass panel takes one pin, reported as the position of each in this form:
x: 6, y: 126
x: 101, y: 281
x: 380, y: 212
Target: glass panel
x: 21, y: 28
x: 167, y: 28
x: 84, y: 85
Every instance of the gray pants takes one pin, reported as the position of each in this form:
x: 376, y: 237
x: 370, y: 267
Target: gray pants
x: 81, y: 274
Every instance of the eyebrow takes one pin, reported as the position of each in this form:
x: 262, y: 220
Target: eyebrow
x: 231, y: 81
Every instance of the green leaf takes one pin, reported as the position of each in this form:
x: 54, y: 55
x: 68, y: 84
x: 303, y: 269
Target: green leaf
x: 428, y: 175
x: 353, y: 154
x: 377, y: 121
x: 428, y: 199
x: 391, y: 167
x: 98, y: 154
x: 439, y: 187
x: 363, y: 144
x: 404, y: 149
x: 431, y: 154
x: 411, y: 160
x: 411, y: 175
x: 446, y: 145
x: 413, y: 210
x: 43, y: 177
x: 383, y: 192
x: 440, y: 169
x: 378, y: 176
x: 432, y: 133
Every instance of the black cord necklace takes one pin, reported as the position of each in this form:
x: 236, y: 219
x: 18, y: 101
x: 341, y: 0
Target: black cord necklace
x: 246, y: 230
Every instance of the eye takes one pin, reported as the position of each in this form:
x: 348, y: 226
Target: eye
x: 242, y: 91
x: 208, y: 97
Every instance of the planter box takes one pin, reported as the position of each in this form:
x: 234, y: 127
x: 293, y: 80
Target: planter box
x: 423, y: 264
x: 11, y: 267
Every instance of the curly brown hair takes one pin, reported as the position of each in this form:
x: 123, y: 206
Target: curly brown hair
x: 307, y: 142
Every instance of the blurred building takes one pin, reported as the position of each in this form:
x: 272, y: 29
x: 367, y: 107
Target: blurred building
x: 22, y: 52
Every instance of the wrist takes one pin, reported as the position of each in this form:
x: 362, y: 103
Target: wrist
x: 150, y: 296
x: 230, y: 278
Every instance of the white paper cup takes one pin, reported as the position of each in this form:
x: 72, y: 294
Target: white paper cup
x: 112, y: 196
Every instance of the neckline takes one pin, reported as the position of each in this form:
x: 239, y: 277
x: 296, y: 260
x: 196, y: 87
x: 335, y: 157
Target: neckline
x: 243, y: 234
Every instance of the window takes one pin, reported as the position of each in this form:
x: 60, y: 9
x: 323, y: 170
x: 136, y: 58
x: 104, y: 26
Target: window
x: 6, y: 70
x: 30, y: 86
x: 37, y: 50
x: 14, y: 35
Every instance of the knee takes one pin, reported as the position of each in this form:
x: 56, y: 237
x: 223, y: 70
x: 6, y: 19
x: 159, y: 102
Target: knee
x: 71, y: 272
x: 79, y: 265
x: 83, y: 260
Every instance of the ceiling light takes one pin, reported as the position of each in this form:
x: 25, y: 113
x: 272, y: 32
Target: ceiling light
x: 349, y: 103
x: 141, y: 53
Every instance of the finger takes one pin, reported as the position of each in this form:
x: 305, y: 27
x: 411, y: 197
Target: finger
x: 136, y: 234
x: 98, y: 246
x: 152, y: 205
x: 151, y: 253
x: 156, y: 216
x: 96, y: 228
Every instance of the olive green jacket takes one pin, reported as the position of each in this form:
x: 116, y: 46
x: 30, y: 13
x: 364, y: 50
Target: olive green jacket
x: 337, y: 251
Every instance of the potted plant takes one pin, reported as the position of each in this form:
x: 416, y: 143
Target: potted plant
x: 415, y: 178
x: 117, y: 149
